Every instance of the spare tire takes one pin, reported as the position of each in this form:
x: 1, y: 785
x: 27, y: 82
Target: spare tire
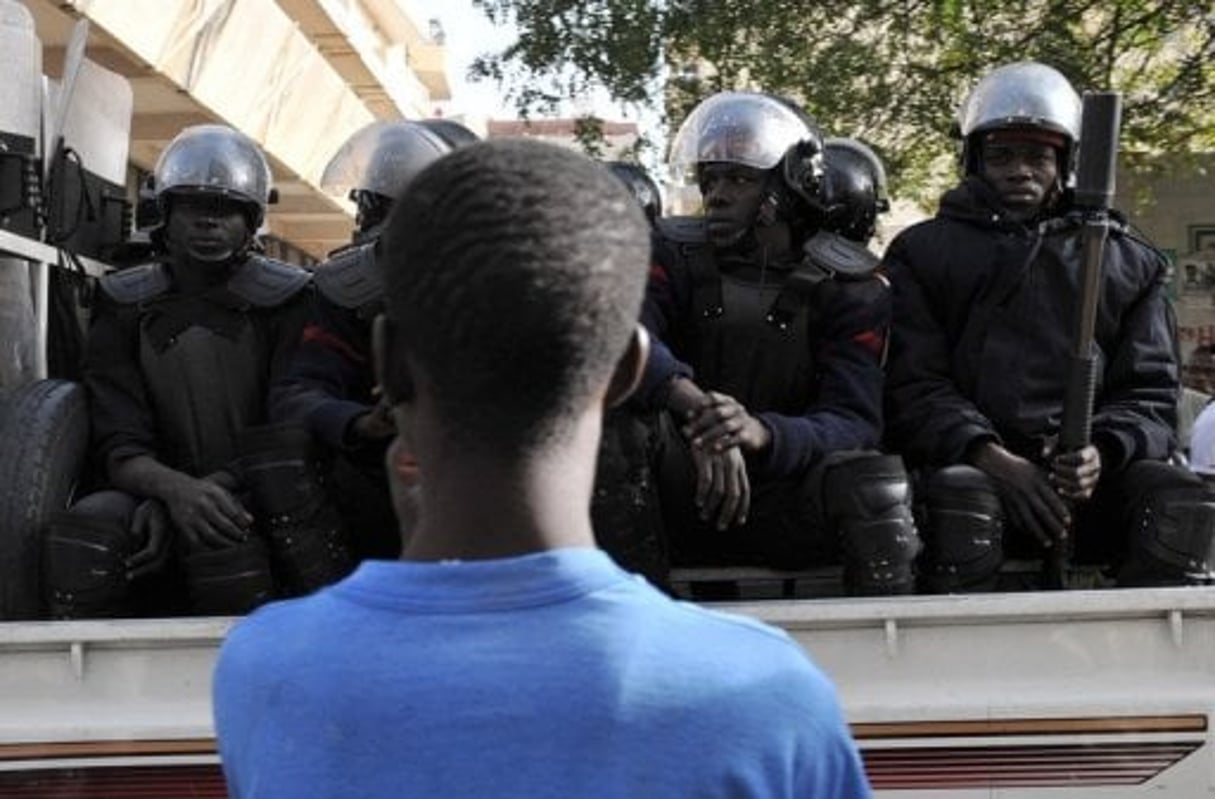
x: 44, y: 430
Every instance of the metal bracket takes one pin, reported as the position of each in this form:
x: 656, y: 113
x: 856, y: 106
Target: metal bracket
x: 76, y: 658
x: 892, y: 638
x: 1176, y: 628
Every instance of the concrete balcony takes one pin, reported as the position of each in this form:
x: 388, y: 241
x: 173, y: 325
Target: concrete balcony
x: 282, y: 71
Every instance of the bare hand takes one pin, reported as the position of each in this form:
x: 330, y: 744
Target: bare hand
x: 207, y: 513
x: 1028, y: 496
x: 723, y: 490
x: 151, y: 524
x: 376, y: 424
x: 721, y: 422
x: 1075, y: 474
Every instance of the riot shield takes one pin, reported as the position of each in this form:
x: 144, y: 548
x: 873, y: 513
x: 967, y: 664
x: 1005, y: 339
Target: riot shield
x: 20, y: 136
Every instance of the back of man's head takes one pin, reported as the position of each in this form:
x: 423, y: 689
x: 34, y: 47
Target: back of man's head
x: 514, y: 274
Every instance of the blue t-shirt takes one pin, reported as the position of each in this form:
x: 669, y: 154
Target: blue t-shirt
x: 548, y: 675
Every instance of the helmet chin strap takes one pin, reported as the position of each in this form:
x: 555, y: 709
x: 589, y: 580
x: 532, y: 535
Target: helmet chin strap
x: 767, y: 215
x: 745, y: 241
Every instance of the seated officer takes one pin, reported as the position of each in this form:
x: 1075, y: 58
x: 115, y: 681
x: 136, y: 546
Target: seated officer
x: 984, y: 304
x: 179, y: 359
x: 642, y: 186
x: 765, y: 380
x: 856, y: 189
x: 329, y: 387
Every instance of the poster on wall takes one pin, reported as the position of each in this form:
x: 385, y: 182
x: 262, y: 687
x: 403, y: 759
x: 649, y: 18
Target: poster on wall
x: 1194, y: 290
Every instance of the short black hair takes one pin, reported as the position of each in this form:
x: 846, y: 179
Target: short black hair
x: 514, y: 272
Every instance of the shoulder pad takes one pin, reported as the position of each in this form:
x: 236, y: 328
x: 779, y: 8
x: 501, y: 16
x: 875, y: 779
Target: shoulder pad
x: 137, y: 284
x: 266, y: 283
x: 842, y: 258
x: 682, y: 229
x: 1063, y: 224
x: 1121, y: 225
x: 349, y: 279
x: 1116, y: 225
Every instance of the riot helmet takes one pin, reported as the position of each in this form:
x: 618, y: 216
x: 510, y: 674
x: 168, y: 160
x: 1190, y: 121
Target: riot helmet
x: 215, y: 161
x: 757, y: 131
x: 450, y: 131
x: 375, y: 164
x: 1028, y: 97
x: 643, y: 187
x: 854, y: 188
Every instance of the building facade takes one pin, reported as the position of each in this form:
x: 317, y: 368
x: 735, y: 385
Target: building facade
x: 298, y: 76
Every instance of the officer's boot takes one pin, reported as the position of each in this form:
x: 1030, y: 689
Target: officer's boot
x: 960, y: 517
x: 302, y: 526
x: 231, y: 581
x: 868, y: 499
x: 84, y: 567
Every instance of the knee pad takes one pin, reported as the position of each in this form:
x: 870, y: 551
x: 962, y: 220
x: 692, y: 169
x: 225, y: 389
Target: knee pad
x: 625, y: 512
x: 868, y: 499
x: 308, y: 548
x: 302, y: 526
x: 231, y: 581
x: 1172, y: 539
x: 962, y: 522
x: 278, y: 466
x: 84, y: 567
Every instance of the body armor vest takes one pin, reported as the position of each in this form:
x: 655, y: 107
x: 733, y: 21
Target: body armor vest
x: 750, y: 338
x: 204, y: 387
x: 206, y: 370
x: 350, y: 280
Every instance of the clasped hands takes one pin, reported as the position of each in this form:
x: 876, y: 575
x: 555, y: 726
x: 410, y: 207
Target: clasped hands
x: 720, y: 433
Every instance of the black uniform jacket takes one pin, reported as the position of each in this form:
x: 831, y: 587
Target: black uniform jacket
x: 837, y: 349
x: 331, y: 377
x: 984, y: 309
x: 177, y: 376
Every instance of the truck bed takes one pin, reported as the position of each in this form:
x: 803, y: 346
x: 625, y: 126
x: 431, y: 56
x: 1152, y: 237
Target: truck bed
x: 1014, y: 695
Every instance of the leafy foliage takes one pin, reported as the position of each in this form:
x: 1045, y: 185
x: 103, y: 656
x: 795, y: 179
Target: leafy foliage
x: 891, y: 72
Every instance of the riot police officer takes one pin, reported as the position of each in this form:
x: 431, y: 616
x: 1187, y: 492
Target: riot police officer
x: 643, y: 187
x: 179, y: 360
x: 766, y: 371
x: 984, y: 296
x: 855, y: 186
x: 330, y: 385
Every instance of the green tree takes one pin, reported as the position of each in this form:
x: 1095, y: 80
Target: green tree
x: 891, y: 72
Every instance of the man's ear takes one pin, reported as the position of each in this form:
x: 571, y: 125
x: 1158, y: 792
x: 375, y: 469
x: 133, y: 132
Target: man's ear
x: 629, y: 369
x: 391, y: 366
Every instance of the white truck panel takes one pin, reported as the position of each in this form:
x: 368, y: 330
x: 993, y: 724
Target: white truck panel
x: 1101, y: 694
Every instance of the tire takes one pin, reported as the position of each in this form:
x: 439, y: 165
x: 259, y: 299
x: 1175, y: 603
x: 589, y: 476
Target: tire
x: 44, y: 433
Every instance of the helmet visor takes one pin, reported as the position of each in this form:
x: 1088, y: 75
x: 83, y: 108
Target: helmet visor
x: 737, y: 128
x: 382, y: 158
x: 214, y: 159
x: 1022, y: 95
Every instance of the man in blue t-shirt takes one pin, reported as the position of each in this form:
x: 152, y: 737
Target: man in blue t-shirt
x: 505, y: 655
